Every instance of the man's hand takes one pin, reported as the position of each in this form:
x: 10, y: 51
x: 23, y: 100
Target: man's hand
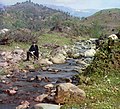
x: 32, y: 52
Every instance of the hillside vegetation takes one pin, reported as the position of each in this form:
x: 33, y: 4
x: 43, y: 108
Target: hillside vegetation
x: 37, y: 17
x: 107, y: 19
x: 101, y: 79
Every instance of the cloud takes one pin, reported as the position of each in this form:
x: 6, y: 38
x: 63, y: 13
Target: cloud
x: 65, y: 1
x: 76, y: 4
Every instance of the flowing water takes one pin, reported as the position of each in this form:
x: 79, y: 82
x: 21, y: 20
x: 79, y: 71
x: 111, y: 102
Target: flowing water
x: 28, y: 88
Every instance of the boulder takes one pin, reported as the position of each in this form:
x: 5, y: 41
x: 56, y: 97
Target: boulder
x: 45, y: 62
x: 23, y: 105
x: 40, y: 98
x: 113, y: 36
x: 58, y: 59
x: 46, y: 106
x: 67, y: 93
x: 90, y: 53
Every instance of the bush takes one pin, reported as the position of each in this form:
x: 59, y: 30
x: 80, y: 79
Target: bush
x: 22, y: 35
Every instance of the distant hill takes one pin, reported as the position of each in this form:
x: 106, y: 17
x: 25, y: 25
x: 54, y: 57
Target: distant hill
x: 1, y: 6
x: 73, y: 12
x: 32, y: 16
x: 37, y: 17
x: 108, y: 19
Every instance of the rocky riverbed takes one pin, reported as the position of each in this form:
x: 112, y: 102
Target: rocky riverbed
x: 23, y: 88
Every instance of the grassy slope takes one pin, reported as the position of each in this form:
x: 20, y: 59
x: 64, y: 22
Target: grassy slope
x: 52, y: 38
x: 109, y: 19
x: 104, y: 72
x: 103, y: 79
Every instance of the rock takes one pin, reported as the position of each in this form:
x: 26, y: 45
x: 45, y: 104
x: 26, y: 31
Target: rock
x: 49, y: 86
x: 46, y: 106
x: 23, y: 105
x: 67, y: 92
x: 8, y: 55
x: 82, y: 62
x: 10, y: 92
x: 30, y: 79
x: 58, y: 59
x: 45, y: 62
x: 18, y: 51
x: 40, y: 98
x: 38, y: 77
x: 90, y: 53
x: 30, y: 67
x: 113, y: 36
x: 3, y: 64
x: 44, y: 68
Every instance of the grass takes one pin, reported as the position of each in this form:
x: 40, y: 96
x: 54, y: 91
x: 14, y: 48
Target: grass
x: 43, y: 39
x: 54, y: 39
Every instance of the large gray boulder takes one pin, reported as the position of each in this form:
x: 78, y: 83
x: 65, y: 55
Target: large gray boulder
x: 67, y: 92
x: 58, y: 59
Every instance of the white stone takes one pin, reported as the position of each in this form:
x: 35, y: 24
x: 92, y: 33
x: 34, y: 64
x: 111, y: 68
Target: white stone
x: 46, y: 106
x: 90, y: 53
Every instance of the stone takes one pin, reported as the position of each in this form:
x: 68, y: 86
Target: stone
x: 67, y: 92
x: 58, y: 59
x: 3, y: 64
x: 49, y: 86
x: 39, y: 77
x: 46, y: 106
x: 45, y: 62
x: 40, y: 98
x: 90, y: 53
x: 23, y: 105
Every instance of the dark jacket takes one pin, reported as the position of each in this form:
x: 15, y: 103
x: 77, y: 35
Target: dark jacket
x: 34, y: 48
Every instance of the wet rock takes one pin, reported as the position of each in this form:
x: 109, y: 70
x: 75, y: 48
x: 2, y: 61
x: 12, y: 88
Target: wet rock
x: 40, y: 98
x: 46, y: 79
x: 58, y: 59
x: 36, y: 85
x: 10, y: 92
x: 82, y: 62
x: 8, y: 76
x: 30, y: 67
x: 44, y: 68
x: 49, y: 86
x: 23, y: 105
x: 90, y: 53
x: 45, y: 62
x: 39, y: 77
x: 67, y: 92
x: 46, y: 106
x: 30, y: 78
x: 1, y: 100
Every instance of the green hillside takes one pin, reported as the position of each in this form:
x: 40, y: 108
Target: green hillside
x: 31, y: 16
x: 108, y: 19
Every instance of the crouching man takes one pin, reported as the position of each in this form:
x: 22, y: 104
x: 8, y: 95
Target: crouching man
x: 33, y: 51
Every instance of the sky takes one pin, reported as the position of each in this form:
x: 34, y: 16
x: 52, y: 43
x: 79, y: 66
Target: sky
x: 75, y: 4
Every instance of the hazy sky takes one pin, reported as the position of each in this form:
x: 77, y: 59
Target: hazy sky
x: 76, y: 4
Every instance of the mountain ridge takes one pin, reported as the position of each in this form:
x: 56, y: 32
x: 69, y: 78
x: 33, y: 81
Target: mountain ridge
x: 74, y: 12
